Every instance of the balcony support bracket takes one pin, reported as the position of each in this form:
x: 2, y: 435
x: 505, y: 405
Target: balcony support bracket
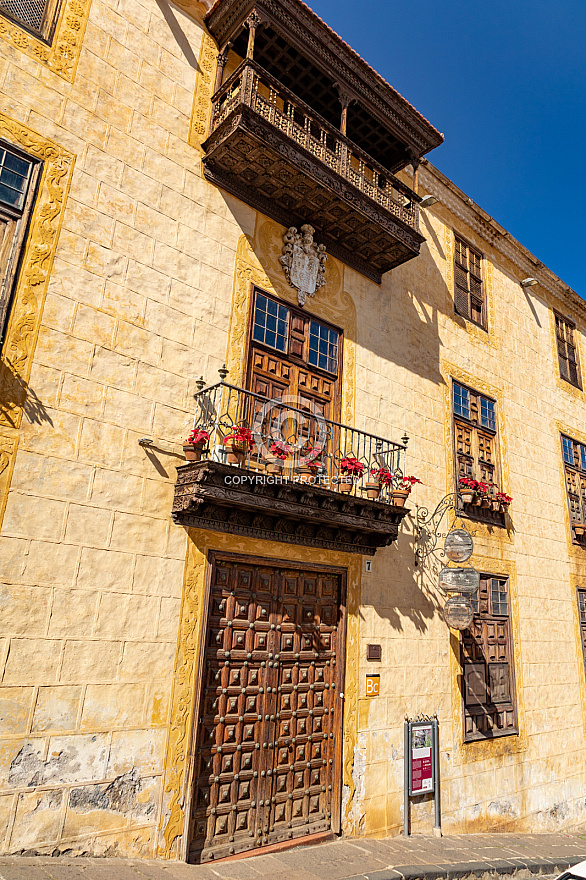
x: 212, y: 495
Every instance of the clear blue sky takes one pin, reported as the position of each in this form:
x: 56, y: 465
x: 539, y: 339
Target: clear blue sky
x: 505, y: 82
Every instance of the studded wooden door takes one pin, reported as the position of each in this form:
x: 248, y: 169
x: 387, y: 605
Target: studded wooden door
x: 268, y: 751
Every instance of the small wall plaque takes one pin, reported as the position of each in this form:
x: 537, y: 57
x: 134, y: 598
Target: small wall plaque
x: 372, y: 685
x: 374, y: 652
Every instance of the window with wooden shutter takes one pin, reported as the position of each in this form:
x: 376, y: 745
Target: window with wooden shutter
x: 567, y: 351
x: 582, y: 615
x: 488, y: 681
x: 475, y: 435
x: 18, y: 177
x: 38, y: 16
x: 469, y: 295
x: 574, y: 455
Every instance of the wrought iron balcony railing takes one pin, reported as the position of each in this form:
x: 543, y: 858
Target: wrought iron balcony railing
x: 250, y: 85
x: 289, y: 440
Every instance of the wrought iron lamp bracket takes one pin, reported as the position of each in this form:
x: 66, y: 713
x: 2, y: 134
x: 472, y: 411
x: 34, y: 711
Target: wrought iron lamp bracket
x: 428, y: 527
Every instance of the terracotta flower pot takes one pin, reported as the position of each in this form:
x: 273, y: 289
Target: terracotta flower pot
x: 237, y: 450
x: 580, y: 530
x: 346, y: 484
x: 467, y: 496
x: 495, y: 505
x: 192, y: 451
x: 373, y: 490
x: 307, y: 473
x: 400, y: 496
x: 274, y: 468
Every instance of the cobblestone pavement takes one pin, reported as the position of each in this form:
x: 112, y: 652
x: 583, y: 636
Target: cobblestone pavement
x: 392, y: 858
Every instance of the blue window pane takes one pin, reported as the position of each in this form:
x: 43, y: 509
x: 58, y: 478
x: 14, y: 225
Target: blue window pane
x: 487, y: 418
x: 323, y: 347
x: 10, y: 197
x: 461, y: 401
x: 583, y: 457
x: 15, y: 174
x: 270, y: 323
x: 15, y: 163
x: 568, y: 449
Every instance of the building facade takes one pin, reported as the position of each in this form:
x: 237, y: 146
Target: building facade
x: 215, y: 217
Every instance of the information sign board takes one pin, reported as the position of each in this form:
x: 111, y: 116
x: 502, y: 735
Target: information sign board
x: 421, y: 777
x: 458, y: 612
x: 458, y: 545
x: 459, y: 580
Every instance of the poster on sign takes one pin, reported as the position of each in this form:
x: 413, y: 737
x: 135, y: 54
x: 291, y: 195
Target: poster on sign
x: 421, y: 781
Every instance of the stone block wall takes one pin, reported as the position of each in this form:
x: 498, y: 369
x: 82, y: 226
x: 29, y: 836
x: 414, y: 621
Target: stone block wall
x: 139, y: 305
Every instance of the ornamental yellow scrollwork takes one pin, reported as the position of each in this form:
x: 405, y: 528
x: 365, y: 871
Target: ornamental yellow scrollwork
x: 36, y: 265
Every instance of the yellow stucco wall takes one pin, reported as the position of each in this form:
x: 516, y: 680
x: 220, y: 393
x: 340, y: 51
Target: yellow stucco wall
x: 143, y: 287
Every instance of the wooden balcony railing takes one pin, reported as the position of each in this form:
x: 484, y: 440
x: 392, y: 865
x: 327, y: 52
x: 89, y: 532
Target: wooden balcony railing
x: 250, y: 85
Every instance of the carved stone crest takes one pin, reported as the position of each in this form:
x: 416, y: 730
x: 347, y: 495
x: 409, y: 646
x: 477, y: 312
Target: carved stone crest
x: 303, y: 261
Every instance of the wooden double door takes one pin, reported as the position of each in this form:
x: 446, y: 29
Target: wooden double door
x: 269, y: 743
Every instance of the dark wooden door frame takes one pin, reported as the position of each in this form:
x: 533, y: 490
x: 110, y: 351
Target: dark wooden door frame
x: 342, y: 572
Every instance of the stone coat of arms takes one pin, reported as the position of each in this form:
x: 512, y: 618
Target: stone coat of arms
x: 303, y: 261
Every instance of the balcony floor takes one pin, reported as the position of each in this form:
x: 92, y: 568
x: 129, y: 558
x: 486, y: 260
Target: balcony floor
x: 262, y: 166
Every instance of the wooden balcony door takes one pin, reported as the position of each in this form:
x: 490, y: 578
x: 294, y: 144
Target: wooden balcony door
x: 268, y: 757
x: 291, y: 353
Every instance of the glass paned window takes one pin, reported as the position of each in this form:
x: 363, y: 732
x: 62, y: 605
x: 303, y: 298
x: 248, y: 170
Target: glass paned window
x: 15, y: 175
x: 499, y: 597
x: 271, y: 321
x: 487, y: 419
x: 568, y: 448
x: 323, y: 347
x: 462, y: 401
x: 583, y: 456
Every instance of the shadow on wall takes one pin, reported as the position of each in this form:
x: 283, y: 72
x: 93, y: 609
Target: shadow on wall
x: 403, y: 593
x: 17, y: 394
x: 178, y: 33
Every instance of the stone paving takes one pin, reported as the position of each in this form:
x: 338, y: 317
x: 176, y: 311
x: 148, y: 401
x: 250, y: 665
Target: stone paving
x: 428, y: 858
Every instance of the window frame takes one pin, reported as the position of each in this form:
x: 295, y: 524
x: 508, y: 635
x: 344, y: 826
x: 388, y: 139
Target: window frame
x: 13, y: 245
x: 302, y: 360
x: 578, y: 472
x: 485, y: 619
x: 559, y: 340
x: 49, y: 23
x: 479, y: 431
x: 465, y: 311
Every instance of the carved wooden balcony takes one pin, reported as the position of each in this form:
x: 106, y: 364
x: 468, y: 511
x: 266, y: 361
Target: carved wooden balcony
x: 270, y: 149
x: 296, y: 500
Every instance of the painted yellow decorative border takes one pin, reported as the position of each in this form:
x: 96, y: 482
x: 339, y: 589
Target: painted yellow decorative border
x: 174, y: 821
x: 257, y: 263
x: 31, y: 288
x: 465, y: 753
x: 449, y: 372
x: 63, y: 54
x: 475, y: 333
x: 562, y: 384
x: 204, y: 87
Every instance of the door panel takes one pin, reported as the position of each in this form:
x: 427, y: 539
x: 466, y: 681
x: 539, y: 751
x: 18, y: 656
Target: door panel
x: 265, y: 770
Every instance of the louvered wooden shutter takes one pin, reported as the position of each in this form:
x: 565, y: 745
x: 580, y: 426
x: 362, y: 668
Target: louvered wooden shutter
x: 461, y: 296
x: 487, y: 670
